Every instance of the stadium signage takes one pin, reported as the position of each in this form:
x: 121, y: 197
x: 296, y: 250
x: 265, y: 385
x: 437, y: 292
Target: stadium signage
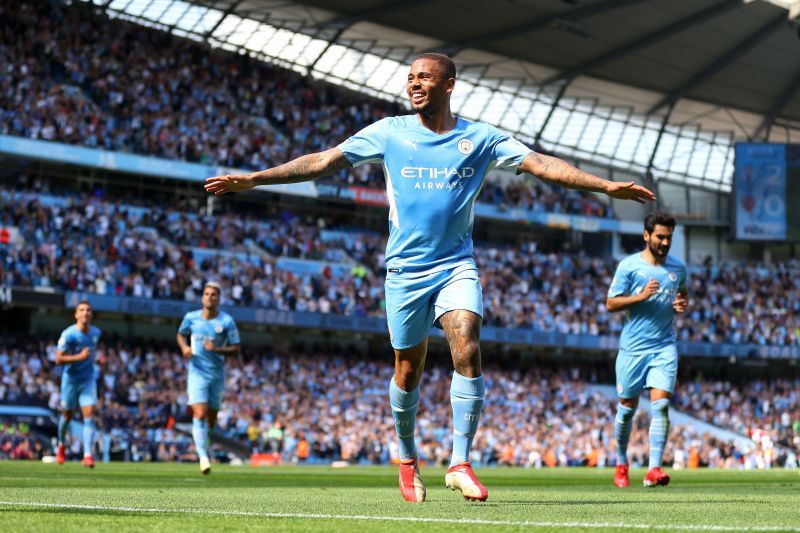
x: 30, y: 297
x: 154, y: 166
x: 6, y: 296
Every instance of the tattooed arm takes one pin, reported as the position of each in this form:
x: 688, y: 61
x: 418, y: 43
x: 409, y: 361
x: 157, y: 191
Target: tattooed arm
x: 304, y: 168
x: 558, y: 172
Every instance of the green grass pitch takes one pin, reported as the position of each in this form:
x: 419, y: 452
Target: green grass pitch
x: 170, y: 497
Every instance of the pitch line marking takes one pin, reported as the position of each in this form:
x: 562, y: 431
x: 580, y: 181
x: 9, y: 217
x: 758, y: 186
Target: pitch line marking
x: 470, y: 521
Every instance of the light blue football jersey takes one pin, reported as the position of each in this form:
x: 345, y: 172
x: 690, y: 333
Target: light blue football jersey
x: 71, y: 342
x: 648, y: 324
x: 220, y: 330
x: 432, y: 181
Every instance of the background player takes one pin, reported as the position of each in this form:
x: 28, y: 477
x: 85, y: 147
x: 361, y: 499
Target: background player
x: 434, y: 164
x: 212, y: 336
x: 650, y: 287
x: 75, y: 350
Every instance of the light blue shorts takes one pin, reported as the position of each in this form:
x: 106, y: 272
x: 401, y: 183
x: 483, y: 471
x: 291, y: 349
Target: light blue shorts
x: 655, y: 370
x: 77, y: 393
x: 202, y: 389
x: 414, y: 302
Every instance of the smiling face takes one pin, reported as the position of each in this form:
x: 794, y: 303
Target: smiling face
x: 429, y: 87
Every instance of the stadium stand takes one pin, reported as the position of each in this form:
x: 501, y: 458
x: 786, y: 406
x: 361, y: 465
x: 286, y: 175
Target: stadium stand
x: 121, y: 95
x: 78, y: 77
x: 102, y: 246
x: 543, y: 416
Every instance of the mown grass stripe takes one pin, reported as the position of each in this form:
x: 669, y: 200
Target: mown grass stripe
x: 412, y: 519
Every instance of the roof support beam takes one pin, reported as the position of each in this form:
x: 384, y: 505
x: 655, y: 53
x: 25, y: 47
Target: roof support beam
x: 717, y: 65
x: 776, y: 108
x: 343, y: 22
x: 644, y: 41
x: 227, y: 12
x: 527, y: 27
x: 550, y: 113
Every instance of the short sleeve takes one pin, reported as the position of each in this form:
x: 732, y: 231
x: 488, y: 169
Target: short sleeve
x: 63, y: 343
x: 507, y: 153
x: 186, y: 326
x: 233, y: 333
x: 621, y: 284
x: 366, y: 146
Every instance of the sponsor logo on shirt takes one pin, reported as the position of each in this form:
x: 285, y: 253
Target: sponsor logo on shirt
x: 422, y: 173
x: 441, y: 178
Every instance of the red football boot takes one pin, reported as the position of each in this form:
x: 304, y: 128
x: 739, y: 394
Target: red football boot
x: 412, y: 488
x: 655, y: 476
x: 462, y: 477
x: 621, y: 477
x: 88, y: 461
x: 61, y: 454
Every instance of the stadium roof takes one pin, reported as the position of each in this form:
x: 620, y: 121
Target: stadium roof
x: 665, y: 85
x: 734, y: 53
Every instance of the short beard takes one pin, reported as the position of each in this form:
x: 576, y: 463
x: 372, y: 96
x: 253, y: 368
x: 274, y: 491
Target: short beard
x: 654, y: 250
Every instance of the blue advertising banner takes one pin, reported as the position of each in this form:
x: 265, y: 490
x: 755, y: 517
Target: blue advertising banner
x: 760, y: 191
x: 168, y: 168
x: 134, y: 164
x: 521, y: 337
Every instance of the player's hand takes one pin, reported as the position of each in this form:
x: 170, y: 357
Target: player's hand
x: 630, y: 191
x: 219, y: 185
x: 208, y: 345
x: 680, y: 304
x: 650, y: 289
x: 187, y: 352
x: 83, y: 355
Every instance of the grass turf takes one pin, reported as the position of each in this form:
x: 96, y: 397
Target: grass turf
x: 170, y: 497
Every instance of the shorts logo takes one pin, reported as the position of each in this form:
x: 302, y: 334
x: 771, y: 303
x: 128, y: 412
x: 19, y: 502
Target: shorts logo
x: 619, y: 388
x: 465, y: 146
x: 673, y: 276
x: 218, y: 329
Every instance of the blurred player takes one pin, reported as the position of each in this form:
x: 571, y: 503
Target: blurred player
x: 650, y: 286
x: 434, y: 164
x: 212, y: 336
x: 75, y: 350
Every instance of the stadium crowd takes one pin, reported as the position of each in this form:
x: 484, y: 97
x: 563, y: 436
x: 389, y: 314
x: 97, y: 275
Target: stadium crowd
x: 101, y: 246
x: 75, y: 75
x: 324, y: 407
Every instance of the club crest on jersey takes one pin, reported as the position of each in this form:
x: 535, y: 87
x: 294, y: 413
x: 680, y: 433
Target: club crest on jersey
x: 673, y: 276
x: 465, y: 146
x: 218, y: 329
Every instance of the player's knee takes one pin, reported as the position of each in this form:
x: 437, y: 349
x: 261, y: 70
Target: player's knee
x: 660, y: 407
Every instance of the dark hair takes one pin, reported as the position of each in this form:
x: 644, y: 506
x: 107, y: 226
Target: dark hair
x: 82, y: 302
x: 658, y: 218
x: 444, y: 61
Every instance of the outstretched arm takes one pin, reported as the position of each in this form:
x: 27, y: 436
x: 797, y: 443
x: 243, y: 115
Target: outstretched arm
x: 304, y: 168
x: 558, y: 172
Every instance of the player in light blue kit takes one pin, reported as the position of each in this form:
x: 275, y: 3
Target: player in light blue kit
x: 75, y: 350
x: 434, y: 164
x: 650, y: 287
x: 212, y: 336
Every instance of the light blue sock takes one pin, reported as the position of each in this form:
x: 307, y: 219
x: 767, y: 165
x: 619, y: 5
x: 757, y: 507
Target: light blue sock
x: 63, y: 424
x: 659, y: 428
x: 88, y: 436
x: 200, y: 435
x: 466, y: 397
x: 623, y: 424
x: 404, y: 410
